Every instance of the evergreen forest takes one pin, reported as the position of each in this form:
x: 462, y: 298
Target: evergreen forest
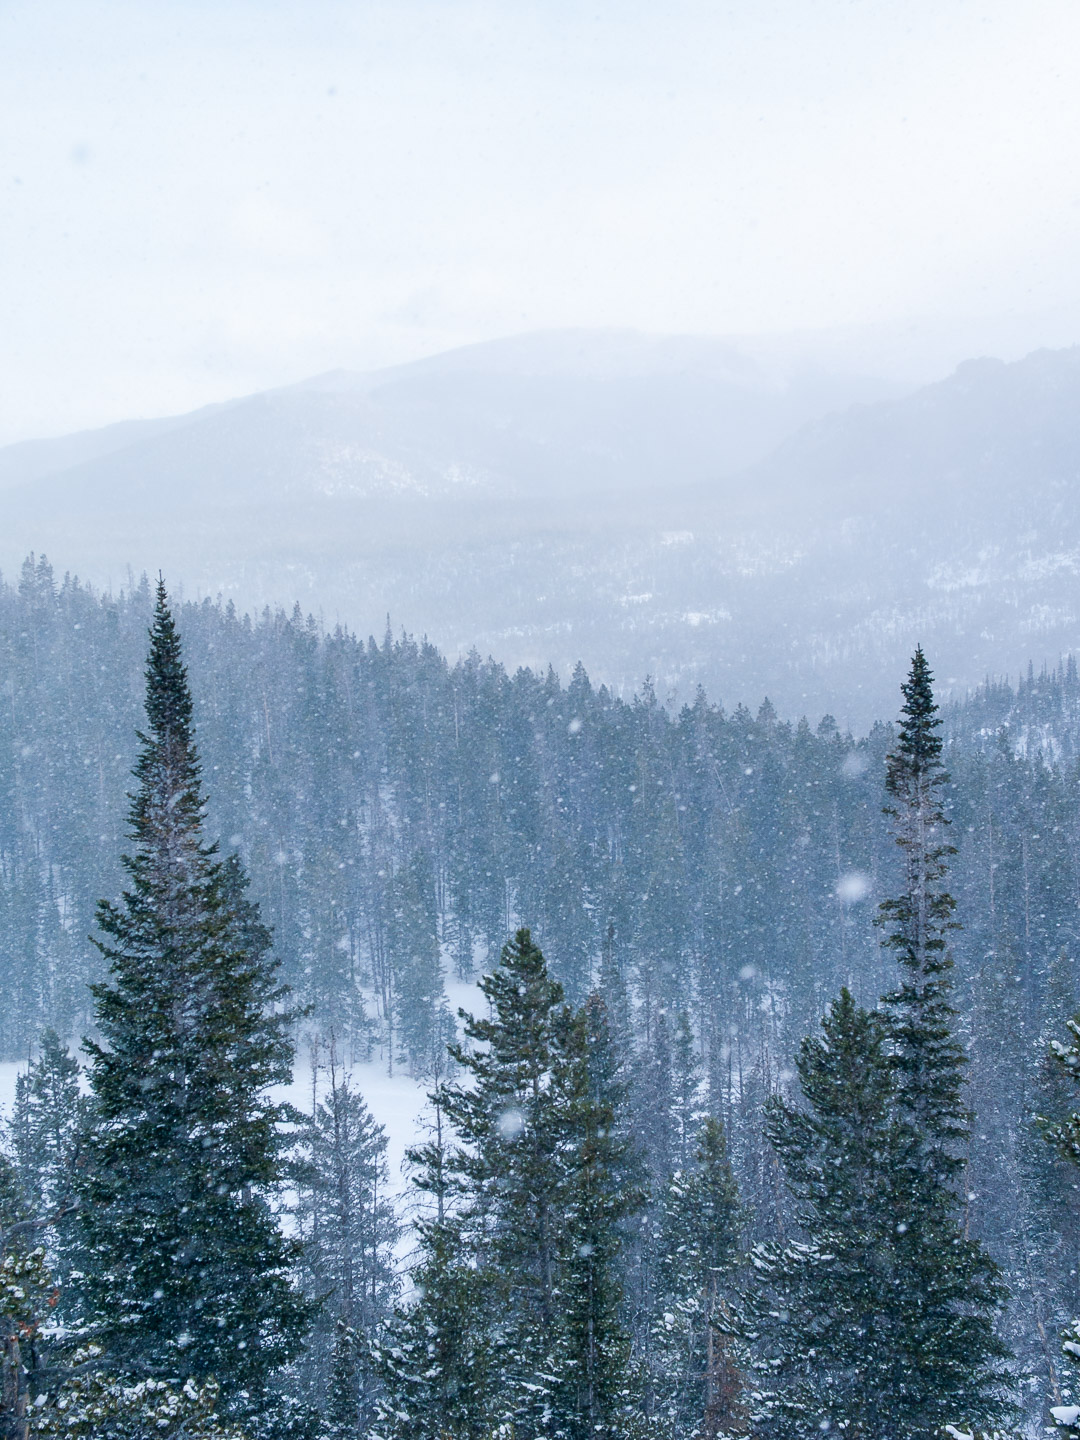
x: 759, y: 1119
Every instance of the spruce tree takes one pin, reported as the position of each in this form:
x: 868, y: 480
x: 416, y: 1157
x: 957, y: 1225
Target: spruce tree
x: 823, y: 1309
x: 698, y: 1382
x: 595, y: 1394
x: 518, y: 1313
x: 510, y: 1166
x: 881, y: 1319
x: 435, y: 1356
x: 187, y: 1268
x: 349, y: 1227
x: 928, y: 1058
x: 954, y: 1292
x: 46, y: 1125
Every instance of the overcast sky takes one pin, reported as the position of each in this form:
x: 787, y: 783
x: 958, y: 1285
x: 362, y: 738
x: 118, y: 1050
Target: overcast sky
x: 204, y: 199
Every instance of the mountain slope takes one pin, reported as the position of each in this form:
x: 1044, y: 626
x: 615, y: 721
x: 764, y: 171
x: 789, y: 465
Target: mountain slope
x: 650, y: 507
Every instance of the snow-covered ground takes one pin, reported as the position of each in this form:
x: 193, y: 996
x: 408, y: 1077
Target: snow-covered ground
x: 8, y: 1070
x: 396, y: 1101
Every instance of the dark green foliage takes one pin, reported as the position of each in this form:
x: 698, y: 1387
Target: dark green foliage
x: 436, y: 1359
x: 888, y: 1308
x: 821, y: 1308
x: 509, y: 1166
x: 924, y: 1050
x: 517, y: 1320
x: 730, y: 851
x: 45, y: 1124
x: 1061, y: 1127
x: 595, y: 1392
x: 956, y: 1289
x: 27, y: 1295
x: 187, y: 1270
x: 879, y: 1322
x: 436, y: 1356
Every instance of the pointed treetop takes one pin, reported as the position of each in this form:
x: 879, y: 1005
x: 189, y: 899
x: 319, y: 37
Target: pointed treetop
x: 168, y: 698
x: 920, y: 745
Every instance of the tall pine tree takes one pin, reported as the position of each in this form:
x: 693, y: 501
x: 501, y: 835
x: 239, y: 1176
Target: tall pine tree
x: 950, y: 1352
x: 510, y: 1167
x: 928, y: 1059
x: 188, y: 1270
x: 824, y: 1306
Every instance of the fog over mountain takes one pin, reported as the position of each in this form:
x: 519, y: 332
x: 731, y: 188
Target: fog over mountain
x: 670, y: 507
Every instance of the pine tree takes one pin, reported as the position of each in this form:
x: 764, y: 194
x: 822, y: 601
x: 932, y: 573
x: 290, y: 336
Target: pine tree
x: 435, y: 1357
x: 517, y: 1321
x: 188, y: 1271
x: 823, y: 1309
x: 882, y: 1319
x: 45, y: 1131
x: 698, y: 1381
x: 926, y: 1055
x: 596, y: 1393
x: 45, y: 1125
x: 510, y: 1164
x: 349, y: 1227
x: 947, y: 1341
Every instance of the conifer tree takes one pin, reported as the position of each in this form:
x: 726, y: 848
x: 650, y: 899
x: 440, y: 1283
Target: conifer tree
x: 882, y: 1319
x: 435, y: 1356
x: 187, y: 1268
x: 698, y: 1380
x: 509, y: 1119
x: 596, y: 1392
x: 45, y: 1132
x: 823, y: 1309
x: 928, y: 1059
x: 953, y: 1289
x: 519, y: 1292
x: 349, y: 1227
x: 45, y: 1125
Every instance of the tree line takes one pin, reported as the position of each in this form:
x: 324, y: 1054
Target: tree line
x: 693, y: 1038
x: 184, y: 1256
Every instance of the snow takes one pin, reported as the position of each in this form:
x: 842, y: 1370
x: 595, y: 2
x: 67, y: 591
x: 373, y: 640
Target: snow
x: 396, y: 1102
x: 9, y: 1069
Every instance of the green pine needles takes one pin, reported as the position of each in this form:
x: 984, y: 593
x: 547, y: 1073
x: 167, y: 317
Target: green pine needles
x: 187, y: 1270
x: 879, y: 1320
x: 518, y: 1317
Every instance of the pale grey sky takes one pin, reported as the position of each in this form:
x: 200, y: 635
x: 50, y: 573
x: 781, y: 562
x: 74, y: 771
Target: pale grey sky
x: 203, y: 199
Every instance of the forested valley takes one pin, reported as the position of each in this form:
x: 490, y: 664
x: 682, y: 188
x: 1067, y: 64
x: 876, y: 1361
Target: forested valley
x: 684, y: 1172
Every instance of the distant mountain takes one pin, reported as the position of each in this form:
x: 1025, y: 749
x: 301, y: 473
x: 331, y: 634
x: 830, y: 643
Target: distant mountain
x: 652, y: 506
